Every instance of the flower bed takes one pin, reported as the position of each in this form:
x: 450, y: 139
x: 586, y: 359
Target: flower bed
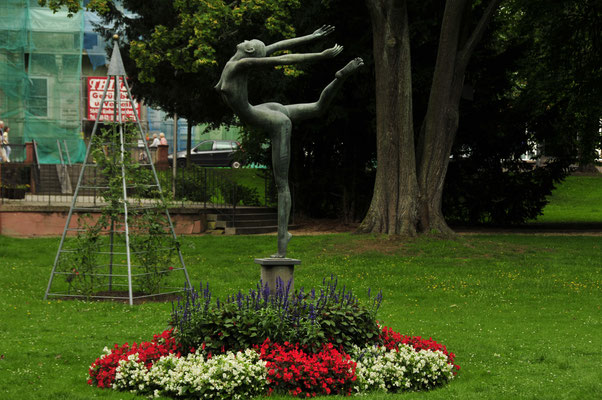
x: 332, y: 363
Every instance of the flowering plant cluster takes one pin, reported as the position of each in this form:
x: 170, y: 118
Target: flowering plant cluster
x: 391, y: 340
x: 329, y: 314
x: 102, y: 371
x: 240, y: 375
x: 338, y: 348
x: 157, y: 369
x: 294, y: 370
x: 401, y: 368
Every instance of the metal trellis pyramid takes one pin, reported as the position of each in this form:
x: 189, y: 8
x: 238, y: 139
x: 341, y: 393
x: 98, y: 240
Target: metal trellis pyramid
x: 123, y: 244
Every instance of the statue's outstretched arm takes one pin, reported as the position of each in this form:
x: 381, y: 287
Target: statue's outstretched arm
x: 288, y: 59
x: 290, y: 43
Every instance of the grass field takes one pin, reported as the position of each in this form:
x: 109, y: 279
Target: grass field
x: 522, y: 313
x: 577, y: 199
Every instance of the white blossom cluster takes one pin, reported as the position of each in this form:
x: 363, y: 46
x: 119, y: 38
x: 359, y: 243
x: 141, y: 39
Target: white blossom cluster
x: 397, y: 370
x: 240, y: 375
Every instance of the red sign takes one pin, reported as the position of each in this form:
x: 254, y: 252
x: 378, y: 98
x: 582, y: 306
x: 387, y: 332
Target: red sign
x: 96, y: 86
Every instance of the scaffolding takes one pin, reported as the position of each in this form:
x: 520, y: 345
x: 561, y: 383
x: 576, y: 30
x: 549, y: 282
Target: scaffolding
x: 122, y: 247
x: 40, y: 75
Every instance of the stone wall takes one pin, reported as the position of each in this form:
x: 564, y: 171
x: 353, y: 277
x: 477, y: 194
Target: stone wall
x: 35, y: 221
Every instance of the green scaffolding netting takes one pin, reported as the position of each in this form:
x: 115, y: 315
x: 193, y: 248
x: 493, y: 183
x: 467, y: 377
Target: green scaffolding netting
x: 40, y: 79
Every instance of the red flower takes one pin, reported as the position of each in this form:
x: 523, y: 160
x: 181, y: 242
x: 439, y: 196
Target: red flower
x: 392, y: 339
x: 102, y: 371
x: 299, y: 372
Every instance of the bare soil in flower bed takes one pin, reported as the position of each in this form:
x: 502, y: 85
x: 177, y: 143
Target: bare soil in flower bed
x: 122, y: 296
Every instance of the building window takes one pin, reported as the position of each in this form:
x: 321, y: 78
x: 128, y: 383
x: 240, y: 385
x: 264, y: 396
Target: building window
x: 38, y: 97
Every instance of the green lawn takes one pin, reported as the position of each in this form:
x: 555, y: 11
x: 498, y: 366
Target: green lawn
x: 522, y: 313
x: 577, y: 199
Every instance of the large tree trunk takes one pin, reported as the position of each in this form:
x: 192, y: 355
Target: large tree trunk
x: 394, y: 202
x: 409, y: 181
x: 441, y: 121
x: 442, y: 116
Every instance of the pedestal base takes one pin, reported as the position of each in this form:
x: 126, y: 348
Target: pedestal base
x: 274, y: 268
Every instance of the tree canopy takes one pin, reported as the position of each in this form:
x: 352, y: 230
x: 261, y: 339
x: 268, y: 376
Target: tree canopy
x: 534, y: 78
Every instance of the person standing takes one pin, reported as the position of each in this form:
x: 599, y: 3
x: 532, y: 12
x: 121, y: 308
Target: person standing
x: 162, y: 140
x: 6, y: 144
x: 155, y: 142
x: 3, y: 157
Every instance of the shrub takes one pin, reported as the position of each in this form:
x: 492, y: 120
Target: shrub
x: 312, y: 319
x: 233, y: 193
x: 494, y: 192
x: 191, y: 184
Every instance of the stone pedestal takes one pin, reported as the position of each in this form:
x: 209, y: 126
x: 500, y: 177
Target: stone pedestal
x: 162, y: 163
x: 274, y: 268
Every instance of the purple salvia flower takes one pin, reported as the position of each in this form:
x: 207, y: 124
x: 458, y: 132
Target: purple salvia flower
x: 312, y: 314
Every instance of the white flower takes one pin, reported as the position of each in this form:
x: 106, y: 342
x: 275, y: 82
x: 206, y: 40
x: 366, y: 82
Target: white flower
x: 386, y: 370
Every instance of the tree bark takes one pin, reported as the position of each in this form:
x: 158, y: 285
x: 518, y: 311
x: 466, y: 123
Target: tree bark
x: 441, y: 121
x: 394, y: 202
x: 442, y: 116
x: 408, y: 190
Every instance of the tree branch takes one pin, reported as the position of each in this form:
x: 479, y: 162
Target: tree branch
x: 465, y: 53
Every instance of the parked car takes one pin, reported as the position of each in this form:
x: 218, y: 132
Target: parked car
x: 211, y: 153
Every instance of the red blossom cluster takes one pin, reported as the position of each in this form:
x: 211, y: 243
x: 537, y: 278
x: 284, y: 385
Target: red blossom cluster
x: 102, y: 371
x: 392, y: 339
x: 299, y: 372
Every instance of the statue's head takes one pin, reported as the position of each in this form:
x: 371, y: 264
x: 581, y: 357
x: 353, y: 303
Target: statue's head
x: 252, y: 48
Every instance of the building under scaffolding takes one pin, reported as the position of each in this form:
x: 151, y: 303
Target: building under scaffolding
x: 46, y: 60
x: 40, y: 78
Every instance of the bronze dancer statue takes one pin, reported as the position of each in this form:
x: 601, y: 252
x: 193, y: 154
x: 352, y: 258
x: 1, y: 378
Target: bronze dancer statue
x: 275, y: 118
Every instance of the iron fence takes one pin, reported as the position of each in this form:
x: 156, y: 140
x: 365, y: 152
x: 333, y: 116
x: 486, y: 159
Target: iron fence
x: 15, y: 152
x: 210, y: 188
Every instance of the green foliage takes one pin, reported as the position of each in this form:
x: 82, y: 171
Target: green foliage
x: 233, y: 193
x: 74, y: 6
x: 200, y: 27
x: 477, y: 193
x: 83, y: 263
x: 176, y: 49
x: 345, y: 325
x: 191, y: 184
x: 154, y: 250
x: 487, y: 180
x: 561, y: 75
x: 153, y: 247
x: 198, y: 184
x: 323, y: 315
x: 536, y: 77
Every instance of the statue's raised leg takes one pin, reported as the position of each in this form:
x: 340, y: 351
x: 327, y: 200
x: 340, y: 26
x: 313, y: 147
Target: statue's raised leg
x: 300, y: 112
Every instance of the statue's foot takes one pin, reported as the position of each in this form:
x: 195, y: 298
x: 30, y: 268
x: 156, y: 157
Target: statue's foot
x: 282, y: 246
x: 349, y: 68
